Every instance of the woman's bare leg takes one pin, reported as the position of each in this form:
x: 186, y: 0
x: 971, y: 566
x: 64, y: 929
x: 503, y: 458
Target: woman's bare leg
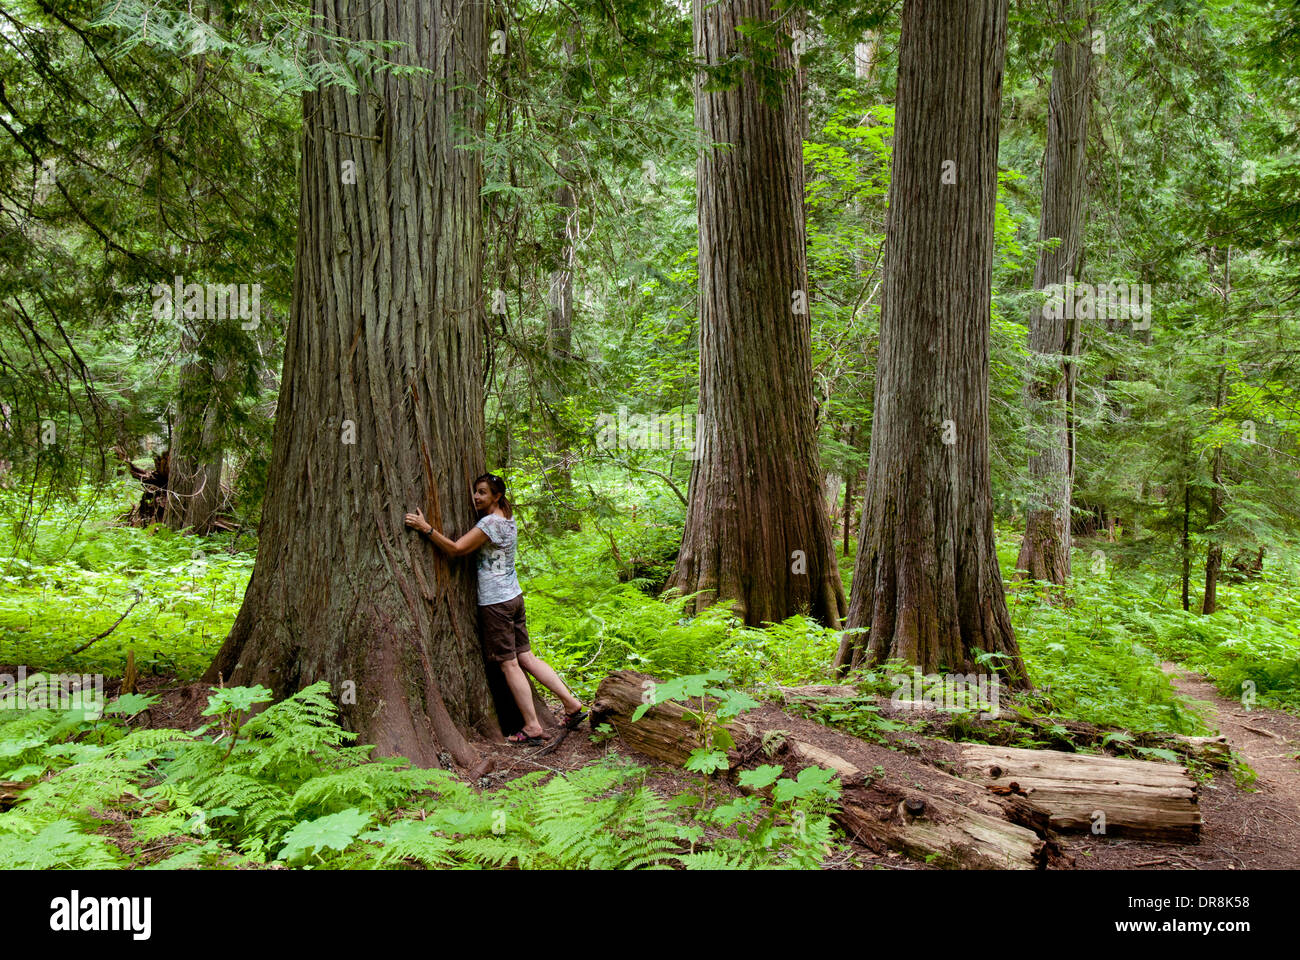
x: 522, y: 691
x: 548, y: 678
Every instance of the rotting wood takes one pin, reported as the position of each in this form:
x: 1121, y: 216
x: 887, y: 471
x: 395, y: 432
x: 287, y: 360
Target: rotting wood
x: 1066, y: 735
x: 1132, y: 798
x: 970, y: 829
x: 10, y: 791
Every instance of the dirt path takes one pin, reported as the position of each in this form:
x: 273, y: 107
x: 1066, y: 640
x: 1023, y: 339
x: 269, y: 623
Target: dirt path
x: 1255, y: 827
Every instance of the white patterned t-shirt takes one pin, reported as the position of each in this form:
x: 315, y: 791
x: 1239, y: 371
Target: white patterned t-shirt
x: 497, y: 581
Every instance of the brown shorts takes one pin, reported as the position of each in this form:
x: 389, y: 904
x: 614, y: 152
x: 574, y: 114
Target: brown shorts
x: 502, y: 629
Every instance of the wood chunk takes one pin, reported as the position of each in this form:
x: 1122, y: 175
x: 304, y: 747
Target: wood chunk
x: 10, y: 790
x: 1138, y: 798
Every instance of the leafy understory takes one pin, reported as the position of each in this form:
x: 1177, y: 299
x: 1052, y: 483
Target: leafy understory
x: 281, y: 788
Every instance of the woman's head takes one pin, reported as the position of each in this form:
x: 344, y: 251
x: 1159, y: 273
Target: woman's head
x: 490, y: 491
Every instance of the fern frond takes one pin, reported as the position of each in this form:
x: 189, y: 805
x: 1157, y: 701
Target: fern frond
x: 408, y: 840
x: 58, y: 845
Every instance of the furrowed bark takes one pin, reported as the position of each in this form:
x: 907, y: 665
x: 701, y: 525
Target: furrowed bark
x: 756, y: 534
x: 381, y: 404
x: 926, y: 581
x: 1053, y: 342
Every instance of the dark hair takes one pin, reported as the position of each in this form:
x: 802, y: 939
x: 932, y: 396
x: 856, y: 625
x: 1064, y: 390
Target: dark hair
x: 497, y: 486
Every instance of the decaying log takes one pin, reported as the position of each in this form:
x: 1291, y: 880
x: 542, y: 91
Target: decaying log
x: 1212, y: 750
x: 964, y: 833
x: 664, y: 733
x: 10, y: 791
x: 1137, y: 798
x: 970, y: 828
x: 1067, y: 735
x: 815, y: 691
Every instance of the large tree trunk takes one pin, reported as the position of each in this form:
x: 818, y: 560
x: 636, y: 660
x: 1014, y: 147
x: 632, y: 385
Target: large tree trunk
x: 926, y: 580
x: 381, y: 404
x: 756, y: 532
x: 1045, y: 550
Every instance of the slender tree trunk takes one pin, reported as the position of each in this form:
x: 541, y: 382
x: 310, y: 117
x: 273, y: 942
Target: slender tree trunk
x: 381, y: 402
x: 1045, y: 550
x: 194, y: 478
x: 850, y: 479
x: 756, y: 533
x: 1214, y: 559
x: 1186, y: 539
x: 926, y: 581
x: 559, y: 345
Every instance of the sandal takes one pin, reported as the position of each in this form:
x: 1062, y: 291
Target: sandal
x: 522, y: 739
x: 571, y: 721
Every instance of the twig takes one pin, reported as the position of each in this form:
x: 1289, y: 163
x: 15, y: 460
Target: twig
x: 138, y: 597
x: 662, y: 476
x: 554, y: 744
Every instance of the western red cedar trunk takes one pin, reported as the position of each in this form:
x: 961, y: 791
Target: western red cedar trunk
x: 196, y: 452
x: 756, y: 534
x: 1053, y: 342
x: 926, y: 584
x: 1185, y: 540
x: 557, y: 509
x: 1214, y: 558
x: 194, y: 480
x: 381, y: 403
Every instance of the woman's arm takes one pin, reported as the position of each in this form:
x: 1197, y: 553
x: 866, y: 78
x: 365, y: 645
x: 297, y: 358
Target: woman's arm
x: 456, y: 548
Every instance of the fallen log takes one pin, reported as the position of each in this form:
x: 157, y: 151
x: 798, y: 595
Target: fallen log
x: 1067, y: 735
x: 10, y: 790
x: 1111, y: 795
x: 946, y: 833
x: 815, y: 691
x: 665, y: 732
x: 968, y: 829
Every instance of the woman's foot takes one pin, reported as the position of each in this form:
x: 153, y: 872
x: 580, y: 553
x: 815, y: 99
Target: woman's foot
x: 573, y: 718
x: 526, y: 739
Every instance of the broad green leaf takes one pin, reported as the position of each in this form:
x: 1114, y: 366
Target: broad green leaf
x: 335, y: 831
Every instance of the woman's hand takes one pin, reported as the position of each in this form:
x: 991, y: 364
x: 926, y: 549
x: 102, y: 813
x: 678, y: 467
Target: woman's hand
x: 417, y: 521
x: 466, y: 544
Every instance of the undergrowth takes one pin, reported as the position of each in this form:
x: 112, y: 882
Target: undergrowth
x: 282, y: 788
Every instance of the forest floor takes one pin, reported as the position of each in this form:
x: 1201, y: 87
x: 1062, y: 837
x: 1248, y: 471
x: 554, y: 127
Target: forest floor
x: 1253, y: 825
x: 1245, y: 826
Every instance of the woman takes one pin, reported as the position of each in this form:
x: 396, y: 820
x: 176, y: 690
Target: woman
x: 502, y: 627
